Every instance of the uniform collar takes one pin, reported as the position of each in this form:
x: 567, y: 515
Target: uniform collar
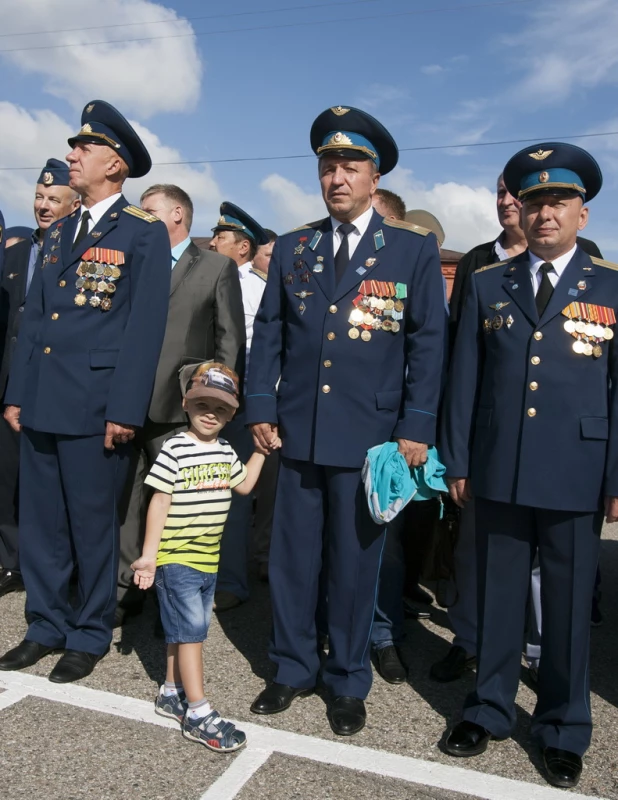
x: 560, y: 263
x: 98, y: 209
x: 245, y: 269
x: 360, y: 223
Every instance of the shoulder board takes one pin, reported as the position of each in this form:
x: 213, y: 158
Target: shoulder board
x: 138, y: 212
x: 306, y: 226
x: 600, y: 262
x: 406, y: 226
x: 259, y: 273
x: 493, y: 266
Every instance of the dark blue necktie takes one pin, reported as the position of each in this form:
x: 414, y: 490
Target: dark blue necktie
x: 342, y: 259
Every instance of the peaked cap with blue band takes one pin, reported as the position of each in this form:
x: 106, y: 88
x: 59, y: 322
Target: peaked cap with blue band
x: 344, y: 130
x: 553, y: 168
x: 103, y: 124
x: 234, y: 218
x: 54, y: 173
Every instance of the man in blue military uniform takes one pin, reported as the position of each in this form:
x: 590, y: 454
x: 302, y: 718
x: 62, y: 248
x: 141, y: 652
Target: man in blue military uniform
x: 530, y: 430
x: 353, y: 319
x: 79, y: 385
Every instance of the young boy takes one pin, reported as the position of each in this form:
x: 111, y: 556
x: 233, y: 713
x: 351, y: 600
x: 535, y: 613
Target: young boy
x: 193, y: 477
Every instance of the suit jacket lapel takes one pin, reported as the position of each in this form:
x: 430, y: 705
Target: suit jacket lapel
x: 365, y: 250
x: 184, y: 265
x: 578, y: 272
x: 107, y: 223
x: 518, y: 286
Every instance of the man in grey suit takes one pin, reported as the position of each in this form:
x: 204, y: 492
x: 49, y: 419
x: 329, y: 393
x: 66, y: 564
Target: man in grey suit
x: 205, y: 321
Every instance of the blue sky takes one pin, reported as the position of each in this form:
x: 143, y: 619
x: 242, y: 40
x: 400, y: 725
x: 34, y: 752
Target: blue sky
x: 435, y: 72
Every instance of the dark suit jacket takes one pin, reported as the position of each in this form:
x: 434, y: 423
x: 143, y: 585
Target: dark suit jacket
x: 205, y: 321
x: 481, y: 256
x: 12, y: 299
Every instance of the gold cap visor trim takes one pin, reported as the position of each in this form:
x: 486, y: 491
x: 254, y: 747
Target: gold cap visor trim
x: 573, y: 186
x: 342, y: 146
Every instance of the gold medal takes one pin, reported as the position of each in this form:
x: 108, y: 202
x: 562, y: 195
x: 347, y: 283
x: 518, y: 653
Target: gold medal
x: 608, y: 334
x: 106, y: 304
x: 578, y: 346
x: 387, y: 325
x: 596, y: 351
x: 588, y: 349
x: 356, y: 317
x: 598, y: 331
x: 395, y: 326
x: 353, y: 333
x: 115, y: 272
x: 389, y: 304
x: 101, y: 286
x: 590, y: 329
x: 80, y: 299
x: 569, y: 326
x: 398, y: 305
x: 100, y: 269
x: 91, y: 269
x: 365, y: 335
x: 368, y: 319
x: 95, y: 301
x: 381, y: 304
x: 107, y: 272
x: 580, y: 326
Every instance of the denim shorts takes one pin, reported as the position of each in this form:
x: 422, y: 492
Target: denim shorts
x: 186, y: 597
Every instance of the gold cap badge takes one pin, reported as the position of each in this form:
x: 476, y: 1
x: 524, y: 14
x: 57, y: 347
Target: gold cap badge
x: 85, y: 129
x: 540, y: 155
x: 48, y: 178
x: 89, y: 108
x: 339, y: 111
x: 339, y: 138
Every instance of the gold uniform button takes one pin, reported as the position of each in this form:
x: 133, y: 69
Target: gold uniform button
x: 535, y: 360
x: 328, y: 363
x: 55, y: 316
x: 326, y: 389
x: 534, y: 386
x: 330, y: 336
x: 532, y: 412
x: 47, y: 351
x: 538, y: 335
x: 333, y: 309
x: 62, y: 284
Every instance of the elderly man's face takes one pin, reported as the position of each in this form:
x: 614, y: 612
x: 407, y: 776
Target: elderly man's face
x: 347, y: 186
x: 52, y: 203
x: 551, y: 223
x: 89, y: 165
x: 508, y: 207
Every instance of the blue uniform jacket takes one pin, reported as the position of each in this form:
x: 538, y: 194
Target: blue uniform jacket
x: 529, y: 420
x: 76, y: 367
x: 340, y: 396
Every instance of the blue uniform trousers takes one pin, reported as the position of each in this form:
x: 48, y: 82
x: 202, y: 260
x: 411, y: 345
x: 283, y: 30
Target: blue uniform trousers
x: 70, y: 486
x: 568, y: 548
x: 314, y: 501
x: 389, y: 618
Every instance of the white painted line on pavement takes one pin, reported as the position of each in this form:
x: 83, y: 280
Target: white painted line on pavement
x: 243, y: 768
x: 10, y: 697
x: 268, y: 740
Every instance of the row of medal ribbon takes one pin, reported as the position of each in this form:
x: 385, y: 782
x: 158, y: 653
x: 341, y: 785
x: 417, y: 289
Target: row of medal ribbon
x: 378, y: 306
x: 589, y: 325
x: 98, y: 278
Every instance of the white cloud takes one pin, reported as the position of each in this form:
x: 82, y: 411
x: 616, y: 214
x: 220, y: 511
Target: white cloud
x: 432, y: 69
x: 31, y: 137
x: 468, y: 215
x: 141, y: 77
x: 567, y: 45
x: 292, y: 205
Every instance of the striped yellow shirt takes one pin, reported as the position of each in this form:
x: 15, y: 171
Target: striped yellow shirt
x: 200, y: 477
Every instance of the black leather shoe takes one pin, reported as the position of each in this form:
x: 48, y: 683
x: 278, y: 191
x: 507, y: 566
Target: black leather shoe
x: 73, y: 666
x: 467, y: 739
x: 277, y: 697
x: 346, y: 715
x: 452, y: 666
x: 389, y: 665
x: 24, y: 655
x: 564, y: 768
x: 10, y: 581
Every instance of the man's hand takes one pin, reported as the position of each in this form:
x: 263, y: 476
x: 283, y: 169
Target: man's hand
x: 265, y: 437
x: 11, y: 415
x: 611, y: 508
x: 459, y: 490
x: 415, y: 453
x: 144, y: 569
x: 116, y: 433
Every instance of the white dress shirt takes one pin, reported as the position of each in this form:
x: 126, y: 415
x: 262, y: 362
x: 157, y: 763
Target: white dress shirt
x: 252, y: 288
x: 96, y: 212
x: 560, y: 264
x: 361, y: 224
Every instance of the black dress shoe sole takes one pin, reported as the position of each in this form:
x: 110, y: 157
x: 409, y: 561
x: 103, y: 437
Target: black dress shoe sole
x: 264, y: 713
x: 476, y: 751
x: 347, y: 731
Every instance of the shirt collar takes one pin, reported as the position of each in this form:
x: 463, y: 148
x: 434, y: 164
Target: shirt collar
x: 560, y: 263
x: 499, y: 250
x: 179, y: 249
x: 360, y: 223
x: 244, y: 270
x: 98, y: 209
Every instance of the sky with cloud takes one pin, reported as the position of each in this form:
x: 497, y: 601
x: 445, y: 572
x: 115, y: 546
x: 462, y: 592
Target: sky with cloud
x: 208, y: 85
